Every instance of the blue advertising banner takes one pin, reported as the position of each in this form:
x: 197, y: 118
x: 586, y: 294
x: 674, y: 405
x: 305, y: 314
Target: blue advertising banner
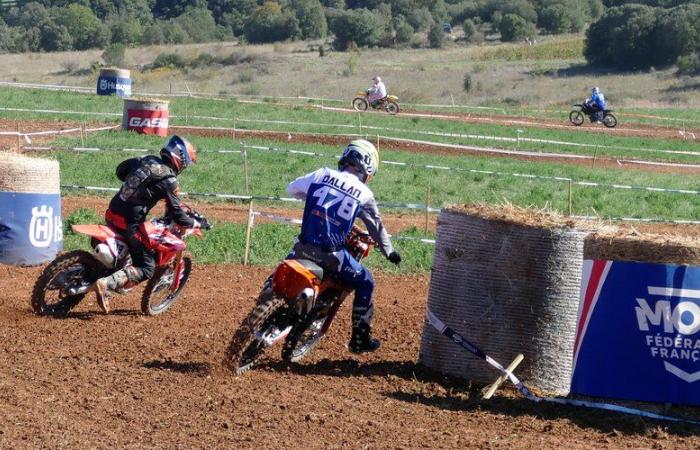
x: 31, y: 231
x: 114, y: 85
x: 638, y: 334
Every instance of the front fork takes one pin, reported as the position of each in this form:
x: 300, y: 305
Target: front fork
x: 177, y: 273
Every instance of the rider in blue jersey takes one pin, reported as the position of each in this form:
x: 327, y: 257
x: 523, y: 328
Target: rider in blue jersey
x: 597, y: 104
x: 334, y: 199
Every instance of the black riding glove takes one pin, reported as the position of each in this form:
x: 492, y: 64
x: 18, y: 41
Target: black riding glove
x: 394, y: 257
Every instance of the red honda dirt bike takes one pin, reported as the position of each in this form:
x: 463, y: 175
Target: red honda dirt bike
x: 66, y: 280
x: 296, y: 306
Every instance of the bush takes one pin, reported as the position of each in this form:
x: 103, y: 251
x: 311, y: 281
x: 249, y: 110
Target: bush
x: 269, y: 24
x: 559, y: 19
x: 688, y: 65
x: 83, y: 26
x: 522, y: 8
x: 312, y: 19
x: 404, y: 32
x: 467, y: 83
x: 436, y: 37
x: 114, y: 55
x: 170, y: 60
x: 359, y: 26
x: 204, y: 60
x: 515, y: 28
x: 420, y: 19
x: 469, y: 29
x: 623, y: 38
x: 463, y: 10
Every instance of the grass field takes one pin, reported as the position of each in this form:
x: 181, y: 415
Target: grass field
x: 196, y: 112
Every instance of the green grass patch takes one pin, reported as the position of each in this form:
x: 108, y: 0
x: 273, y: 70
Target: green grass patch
x: 557, y: 50
x: 270, y: 172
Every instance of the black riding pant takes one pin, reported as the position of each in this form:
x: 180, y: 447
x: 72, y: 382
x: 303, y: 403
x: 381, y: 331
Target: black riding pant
x: 143, y: 260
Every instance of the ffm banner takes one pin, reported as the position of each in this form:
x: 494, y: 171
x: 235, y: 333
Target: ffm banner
x: 638, y: 332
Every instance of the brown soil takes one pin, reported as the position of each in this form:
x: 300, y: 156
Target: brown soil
x: 30, y: 126
x: 125, y: 380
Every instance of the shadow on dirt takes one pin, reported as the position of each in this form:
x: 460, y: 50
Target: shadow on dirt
x: 615, y: 424
x: 350, y: 368
x: 189, y: 368
x: 91, y: 315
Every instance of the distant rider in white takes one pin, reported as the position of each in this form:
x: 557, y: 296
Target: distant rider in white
x: 334, y: 198
x: 377, y: 92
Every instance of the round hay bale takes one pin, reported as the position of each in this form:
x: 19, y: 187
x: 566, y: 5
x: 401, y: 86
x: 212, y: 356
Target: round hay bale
x: 634, y: 246
x: 114, y: 81
x: 507, y: 279
x: 146, y: 116
x: 31, y: 231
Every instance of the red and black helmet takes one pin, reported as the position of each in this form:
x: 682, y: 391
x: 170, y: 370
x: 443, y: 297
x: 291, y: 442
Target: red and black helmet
x: 179, y: 153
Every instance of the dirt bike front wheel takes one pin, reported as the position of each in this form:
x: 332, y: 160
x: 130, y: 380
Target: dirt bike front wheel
x: 359, y: 104
x: 576, y: 117
x: 300, y: 344
x: 64, y: 283
x: 259, y: 330
x: 157, y: 296
x: 609, y: 120
x: 391, y: 107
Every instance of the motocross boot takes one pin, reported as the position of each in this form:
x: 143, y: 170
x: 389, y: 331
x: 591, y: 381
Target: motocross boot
x: 104, y: 287
x: 361, y: 340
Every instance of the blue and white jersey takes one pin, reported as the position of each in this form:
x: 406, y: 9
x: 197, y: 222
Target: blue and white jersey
x: 599, y: 100
x: 334, y: 200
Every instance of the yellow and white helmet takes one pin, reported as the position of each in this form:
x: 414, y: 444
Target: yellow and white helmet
x: 362, y: 155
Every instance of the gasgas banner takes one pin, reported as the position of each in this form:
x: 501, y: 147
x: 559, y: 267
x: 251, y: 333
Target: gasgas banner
x: 31, y: 231
x: 638, y: 334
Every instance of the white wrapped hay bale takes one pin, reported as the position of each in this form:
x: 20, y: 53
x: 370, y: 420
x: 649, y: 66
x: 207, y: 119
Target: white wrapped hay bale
x: 507, y: 279
x: 31, y: 231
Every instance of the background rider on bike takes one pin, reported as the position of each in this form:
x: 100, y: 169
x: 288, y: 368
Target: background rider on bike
x: 597, y: 104
x: 334, y: 198
x: 377, y: 92
x: 147, y: 180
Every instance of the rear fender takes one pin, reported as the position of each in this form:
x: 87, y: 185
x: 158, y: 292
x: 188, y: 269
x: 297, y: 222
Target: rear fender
x: 291, y: 279
x: 392, y: 97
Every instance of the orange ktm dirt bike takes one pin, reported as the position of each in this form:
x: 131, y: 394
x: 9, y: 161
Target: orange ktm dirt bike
x: 389, y: 104
x: 296, y: 307
x: 66, y: 280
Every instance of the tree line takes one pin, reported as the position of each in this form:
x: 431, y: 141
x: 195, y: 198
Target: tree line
x: 56, y: 25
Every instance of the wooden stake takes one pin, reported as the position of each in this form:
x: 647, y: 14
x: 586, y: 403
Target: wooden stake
x: 171, y: 88
x: 377, y: 142
x: 595, y: 153
x: 186, y: 120
x: 454, y: 108
x: 427, y: 209
x: 19, y: 142
x: 82, y: 134
x: 359, y: 120
x: 491, y: 389
x: 245, y: 171
x: 234, y: 128
x: 248, y: 232
x: 570, y: 197
x: 321, y: 103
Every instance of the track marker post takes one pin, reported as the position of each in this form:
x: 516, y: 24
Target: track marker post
x: 427, y: 209
x: 245, y: 170
x: 248, y: 232
x: 19, y: 142
x: 571, y: 197
x: 359, y: 121
x: 489, y: 390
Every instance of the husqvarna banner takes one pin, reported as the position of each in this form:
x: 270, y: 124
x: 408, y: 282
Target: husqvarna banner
x: 638, y: 334
x: 31, y: 231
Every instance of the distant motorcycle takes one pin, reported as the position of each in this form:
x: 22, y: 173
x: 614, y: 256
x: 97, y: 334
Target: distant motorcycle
x: 66, y: 281
x: 389, y: 104
x: 577, y: 116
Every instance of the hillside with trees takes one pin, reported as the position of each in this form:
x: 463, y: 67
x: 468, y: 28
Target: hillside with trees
x: 46, y: 25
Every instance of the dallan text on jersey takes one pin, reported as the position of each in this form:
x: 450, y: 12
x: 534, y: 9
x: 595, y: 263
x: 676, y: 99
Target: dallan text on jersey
x: 341, y: 186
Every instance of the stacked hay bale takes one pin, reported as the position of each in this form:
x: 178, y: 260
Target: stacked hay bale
x: 631, y: 245
x: 31, y: 231
x: 507, y: 279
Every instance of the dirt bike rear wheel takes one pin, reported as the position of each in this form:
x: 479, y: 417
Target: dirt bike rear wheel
x: 76, y: 269
x: 300, y: 343
x: 359, y: 104
x: 609, y: 120
x: 245, y: 348
x: 391, y: 107
x: 576, y: 117
x: 157, y: 296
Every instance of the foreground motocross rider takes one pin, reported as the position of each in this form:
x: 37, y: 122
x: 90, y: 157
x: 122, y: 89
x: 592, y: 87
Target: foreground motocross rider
x: 146, y: 181
x: 334, y: 198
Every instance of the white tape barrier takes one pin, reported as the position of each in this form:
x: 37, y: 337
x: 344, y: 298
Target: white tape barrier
x: 27, y: 136
x: 400, y: 164
x: 410, y: 206
x: 493, y: 138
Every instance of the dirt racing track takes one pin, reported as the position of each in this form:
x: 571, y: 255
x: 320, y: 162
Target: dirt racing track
x: 128, y: 381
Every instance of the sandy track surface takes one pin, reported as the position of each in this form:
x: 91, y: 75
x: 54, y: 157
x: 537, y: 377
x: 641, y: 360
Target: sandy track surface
x: 128, y: 381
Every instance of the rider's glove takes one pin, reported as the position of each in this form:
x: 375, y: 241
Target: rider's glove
x: 394, y: 257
